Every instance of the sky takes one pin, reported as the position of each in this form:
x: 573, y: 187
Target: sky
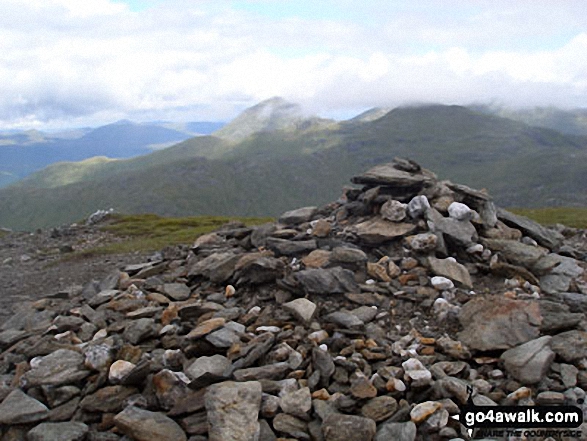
x: 73, y: 63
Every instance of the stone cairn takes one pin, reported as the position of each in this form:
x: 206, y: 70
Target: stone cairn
x: 366, y: 319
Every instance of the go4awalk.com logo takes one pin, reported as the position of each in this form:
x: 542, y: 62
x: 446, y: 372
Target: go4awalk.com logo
x: 527, y: 421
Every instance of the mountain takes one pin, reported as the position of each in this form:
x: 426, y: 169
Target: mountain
x: 270, y: 115
x: 22, y: 153
x: 371, y: 114
x: 570, y: 122
x: 271, y: 171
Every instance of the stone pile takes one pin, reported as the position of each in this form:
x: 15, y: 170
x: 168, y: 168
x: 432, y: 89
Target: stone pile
x: 366, y: 319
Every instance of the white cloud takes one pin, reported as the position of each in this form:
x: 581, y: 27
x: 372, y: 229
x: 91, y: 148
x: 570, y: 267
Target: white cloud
x: 80, y: 62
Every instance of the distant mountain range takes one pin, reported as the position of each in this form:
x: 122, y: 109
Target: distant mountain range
x: 22, y: 153
x: 272, y: 158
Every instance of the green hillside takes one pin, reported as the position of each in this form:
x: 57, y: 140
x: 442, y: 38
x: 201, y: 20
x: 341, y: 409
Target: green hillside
x: 274, y: 171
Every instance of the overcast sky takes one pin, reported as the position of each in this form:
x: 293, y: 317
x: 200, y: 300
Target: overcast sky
x: 88, y: 62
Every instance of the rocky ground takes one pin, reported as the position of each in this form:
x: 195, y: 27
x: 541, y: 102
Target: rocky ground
x: 367, y: 319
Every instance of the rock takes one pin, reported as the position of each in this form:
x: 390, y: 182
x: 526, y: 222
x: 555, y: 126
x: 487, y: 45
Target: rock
x: 176, y: 291
x: 545, y: 237
x: 216, y: 365
x: 338, y: 427
x: 344, y: 319
x: 321, y: 228
x: 284, y: 247
x: 424, y: 410
x: 452, y: 270
x: 441, y: 283
x: 292, y: 426
x: 297, y: 403
x: 378, y: 230
x: 550, y: 398
x: 556, y: 317
x: 223, y: 338
x: 529, y: 362
x: 461, y: 233
x: 362, y: 388
x: 144, y: 425
x: 571, y: 346
x: 423, y: 243
x: 379, y: 408
x: 233, y: 410
x: 317, y: 259
x: 298, y: 216
x: 275, y: 371
x: 302, y: 309
x: 206, y: 327
x: 393, y: 211
x: 396, y: 432
x: 110, y: 399
x: 516, y: 252
x: 139, y: 330
x: 66, y: 431
x: 569, y: 375
x: 496, y: 322
x: 460, y: 211
x: 418, y: 206
x: 19, y: 408
x: 416, y: 373
x: 348, y: 255
x: 61, y: 367
x: 327, y: 281
x: 388, y: 175
x: 120, y: 369
x: 217, y: 267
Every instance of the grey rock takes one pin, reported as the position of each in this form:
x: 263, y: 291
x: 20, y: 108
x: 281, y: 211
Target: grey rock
x: 460, y: 211
x: 322, y: 362
x: 462, y: 233
x: 569, y: 375
x: 303, y: 309
x: 266, y: 433
x: 11, y: 336
x: 110, y: 399
x: 298, y: 216
x: 292, y: 426
x: 144, y: 425
x: 344, y: 319
x: 529, y: 362
x: 393, y: 211
x: 138, y: 330
x: 496, y: 322
x: 286, y: 247
x: 217, y: 267
x: 176, y: 291
x: 544, y: 236
x: 378, y: 230
x: 297, y: 403
x: 418, y: 206
x: 571, y: 346
x: 19, y: 408
x: 60, y: 367
x: 365, y: 313
x: 223, y: 338
x: 327, y: 281
x: 233, y: 410
x: 276, y: 371
x: 258, y: 269
x: 576, y: 301
x: 339, y: 427
x: 57, y: 396
x: 388, y: 175
x: 452, y: 270
x: 66, y: 431
x: 516, y: 252
x: 557, y: 318
x: 216, y: 365
x: 379, y: 408
x: 396, y: 432
x: 423, y: 243
x: 348, y: 255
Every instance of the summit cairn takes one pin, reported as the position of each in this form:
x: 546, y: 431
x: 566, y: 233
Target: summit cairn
x: 369, y: 318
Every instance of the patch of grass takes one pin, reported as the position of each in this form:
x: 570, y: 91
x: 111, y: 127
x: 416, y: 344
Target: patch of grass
x: 575, y: 217
x: 149, y: 232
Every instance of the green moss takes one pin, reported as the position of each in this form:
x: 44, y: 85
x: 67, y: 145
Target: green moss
x: 575, y: 217
x: 149, y: 232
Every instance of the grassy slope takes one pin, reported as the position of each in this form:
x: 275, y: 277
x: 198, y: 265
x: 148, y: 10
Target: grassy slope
x: 274, y: 172
x: 570, y: 216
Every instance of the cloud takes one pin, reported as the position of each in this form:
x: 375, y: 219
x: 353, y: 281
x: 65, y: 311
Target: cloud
x: 67, y: 62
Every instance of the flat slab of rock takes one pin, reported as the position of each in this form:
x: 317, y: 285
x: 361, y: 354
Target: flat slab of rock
x: 66, y: 431
x: 217, y: 267
x: 19, y: 408
x: 529, y: 362
x: 327, y: 281
x: 544, y: 236
x: 387, y: 174
x: 61, y: 367
x: 144, y: 425
x: 452, y: 270
x: 496, y: 322
x: 570, y: 346
x: 396, y: 432
x: 339, y: 427
x: 298, y: 215
x: 303, y: 309
x: 233, y: 410
x: 378, y: 230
